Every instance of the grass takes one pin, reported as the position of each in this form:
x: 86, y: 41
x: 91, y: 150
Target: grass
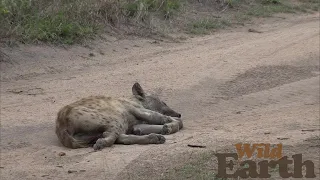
x: 73, y: 21
x: 266, y: 11
x: 55, y: 28
x: 69, y: 22
x: 167, y: 7
x: 246, y: 10
x: 47, y: 20
x: 207, y: 25
x: 266, y: 8
x: 313, y: 5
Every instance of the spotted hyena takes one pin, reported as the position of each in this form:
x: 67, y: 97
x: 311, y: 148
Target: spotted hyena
x: 101, y: 121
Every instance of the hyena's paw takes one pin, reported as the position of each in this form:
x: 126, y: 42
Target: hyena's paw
x: 166, y: 129
x: 101, y: 143
x: 180, y: 122
x: 137, y: 131
x: 171, y: 128
x: 167, y: 119
x: 156, y: 138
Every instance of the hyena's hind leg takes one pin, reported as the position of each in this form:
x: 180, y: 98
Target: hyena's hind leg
x: 145, y: 139
x: 109, y: 137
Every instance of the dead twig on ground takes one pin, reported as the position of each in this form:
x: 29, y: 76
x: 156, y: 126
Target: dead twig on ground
x: 310, y: 130
x: 196, y: 146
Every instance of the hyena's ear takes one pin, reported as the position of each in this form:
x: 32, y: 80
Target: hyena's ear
x: 138, y: 91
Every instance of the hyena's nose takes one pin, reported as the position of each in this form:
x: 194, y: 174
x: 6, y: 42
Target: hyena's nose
x: 179, y: 115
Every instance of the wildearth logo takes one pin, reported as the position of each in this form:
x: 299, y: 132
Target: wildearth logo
x: 249, y: 167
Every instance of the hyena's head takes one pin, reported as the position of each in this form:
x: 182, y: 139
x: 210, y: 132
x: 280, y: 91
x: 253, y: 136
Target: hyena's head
x: 152, y: 102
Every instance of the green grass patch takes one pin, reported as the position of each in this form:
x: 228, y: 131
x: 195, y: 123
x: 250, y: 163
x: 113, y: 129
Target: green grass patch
x: 205, y: 26
x: 55, y: 28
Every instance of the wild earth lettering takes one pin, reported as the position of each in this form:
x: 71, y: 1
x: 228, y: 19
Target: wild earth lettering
x: 248, y: 168
x: 263, y: 150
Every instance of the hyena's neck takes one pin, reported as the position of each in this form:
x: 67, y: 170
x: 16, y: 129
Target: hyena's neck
x: 135, y: 101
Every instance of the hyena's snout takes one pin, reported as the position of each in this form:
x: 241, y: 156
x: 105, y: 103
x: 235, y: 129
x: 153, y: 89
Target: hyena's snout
x: 177, y: 115
x: 173, y: 114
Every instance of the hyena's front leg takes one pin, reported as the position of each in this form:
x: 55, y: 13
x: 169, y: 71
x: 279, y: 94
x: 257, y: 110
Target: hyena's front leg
x: 144, y: 129
x: 145, y: 139
x: 171, y: 124
x: 169, y: 128
x: 151, y: 117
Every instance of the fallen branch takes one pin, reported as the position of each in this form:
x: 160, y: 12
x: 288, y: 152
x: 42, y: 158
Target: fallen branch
x: 196, y: 146
x: 284, y: 138
x: 311, y: 130
x: 254, y: 31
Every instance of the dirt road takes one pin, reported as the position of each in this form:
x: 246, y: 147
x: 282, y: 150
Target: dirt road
x: 234, y: 86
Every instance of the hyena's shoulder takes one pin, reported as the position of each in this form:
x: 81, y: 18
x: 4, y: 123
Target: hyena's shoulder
x: 91, y: 102
x: 104, y: 102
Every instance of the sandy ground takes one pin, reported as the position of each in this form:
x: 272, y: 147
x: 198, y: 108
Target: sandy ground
x: 234, y: 86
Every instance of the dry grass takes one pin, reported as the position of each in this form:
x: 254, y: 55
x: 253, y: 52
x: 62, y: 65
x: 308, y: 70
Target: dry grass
x: 48, y: 20
x: 72, y: 21
x: 61, y: 21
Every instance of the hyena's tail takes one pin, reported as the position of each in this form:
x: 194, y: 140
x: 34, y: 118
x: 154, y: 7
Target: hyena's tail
x: 72, y: 140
